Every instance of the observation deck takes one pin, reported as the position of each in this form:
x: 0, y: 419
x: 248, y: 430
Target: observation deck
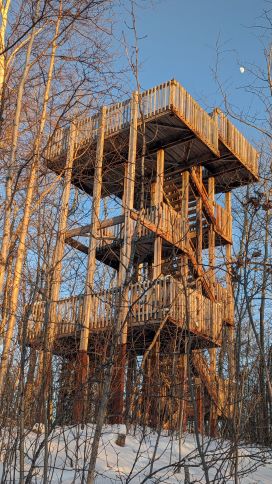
x: 172, y: 120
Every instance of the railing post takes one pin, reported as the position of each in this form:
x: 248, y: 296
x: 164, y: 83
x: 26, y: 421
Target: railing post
x: 172, y: 94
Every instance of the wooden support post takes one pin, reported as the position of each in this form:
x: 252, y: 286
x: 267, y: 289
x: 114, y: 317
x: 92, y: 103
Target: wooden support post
x: 199, y: 223
x: 225, y: 349
x: 128, y: 194
x: 228, y: 261
x: 211, y: 192
x: 38, y: 381
x: 146, y: 393
x: 117, y: 403
x: 184, y: 277
x: 230, y: 329
x: 230, y: 396
x: 199, y: 405
x: 212, y: 352
x: 211, y: 241
x: 31, y: 390
x: 185, y: 202
x: 231, y: 349
x: 213, y: 420
x: 83, y: 362
x: 131, y: 379
x: 125, y: 267
x: 67, y: 386
x: 157, y: 201
x: 228, y: 246
x: 155, y: 403
x: 185, y: 225
x: 183, y: 407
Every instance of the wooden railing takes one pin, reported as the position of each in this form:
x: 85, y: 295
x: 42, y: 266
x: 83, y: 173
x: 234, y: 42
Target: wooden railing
x: 194, y: 116
x: 110, y: 235
x: 218, y: 215
x: 167, y: 220
x: 148, y: 302
x: 236, y: 142
x: 223, y: 221
x: 226, y: 298
x: 164, y: 218
x: 218, y: 388
x: 164, y: 97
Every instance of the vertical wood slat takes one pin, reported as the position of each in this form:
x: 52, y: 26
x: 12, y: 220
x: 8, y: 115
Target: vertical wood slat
x: 237, y: 143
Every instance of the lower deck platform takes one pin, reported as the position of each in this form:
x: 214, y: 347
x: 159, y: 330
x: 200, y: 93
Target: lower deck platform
x: 139, y: 338
x: 150, y: 304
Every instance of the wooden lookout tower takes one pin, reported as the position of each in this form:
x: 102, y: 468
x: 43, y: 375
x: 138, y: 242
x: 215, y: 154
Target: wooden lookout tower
x: 155, y: 329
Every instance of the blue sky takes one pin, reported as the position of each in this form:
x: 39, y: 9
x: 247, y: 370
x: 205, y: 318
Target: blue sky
x: 179, y: 41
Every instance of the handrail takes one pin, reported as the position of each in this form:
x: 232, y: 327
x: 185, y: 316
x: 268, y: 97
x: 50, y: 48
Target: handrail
x: 217, y: 387
x: 236, y: 142
x: 164, y: 97
x: 218, y: 215
x: 148, y: 301
x: 226, y: 298
x: 223, y: 222
x: 195, y: 116
x: 167, y: 96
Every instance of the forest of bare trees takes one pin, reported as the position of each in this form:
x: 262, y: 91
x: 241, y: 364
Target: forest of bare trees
x: 60, y: 62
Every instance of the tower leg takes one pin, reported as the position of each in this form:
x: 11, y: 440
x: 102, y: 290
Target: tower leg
x: 213, y: 420
x: 199, y: 406
x: 155, y: 387
x: 183, y: 419
x: 131, y: 372
x: 81, y: 381
x: 117, y: 386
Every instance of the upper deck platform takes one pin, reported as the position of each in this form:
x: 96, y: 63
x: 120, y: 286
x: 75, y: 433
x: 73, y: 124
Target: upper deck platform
x: 173, y: 121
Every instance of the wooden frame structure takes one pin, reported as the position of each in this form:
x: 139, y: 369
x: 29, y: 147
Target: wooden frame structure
x: 189, y: 157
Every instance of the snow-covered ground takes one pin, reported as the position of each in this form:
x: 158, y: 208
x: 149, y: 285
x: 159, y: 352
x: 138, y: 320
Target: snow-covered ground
x: 145, y: 458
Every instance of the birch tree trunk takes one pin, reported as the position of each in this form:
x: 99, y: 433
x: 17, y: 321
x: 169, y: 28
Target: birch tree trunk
x: 21, y: 251
x: 4, y: 8
x: 15, y: 137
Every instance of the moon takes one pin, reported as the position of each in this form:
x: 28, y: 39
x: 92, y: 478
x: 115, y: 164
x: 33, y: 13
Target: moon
x: 242, y: 70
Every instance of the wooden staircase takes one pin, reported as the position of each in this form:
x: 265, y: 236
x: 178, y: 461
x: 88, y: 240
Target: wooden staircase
x: 212, y: 212
x: 209, y: 208
x: 217, y: 388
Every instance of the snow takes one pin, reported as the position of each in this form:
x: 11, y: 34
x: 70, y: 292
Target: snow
x: 69, y: 452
